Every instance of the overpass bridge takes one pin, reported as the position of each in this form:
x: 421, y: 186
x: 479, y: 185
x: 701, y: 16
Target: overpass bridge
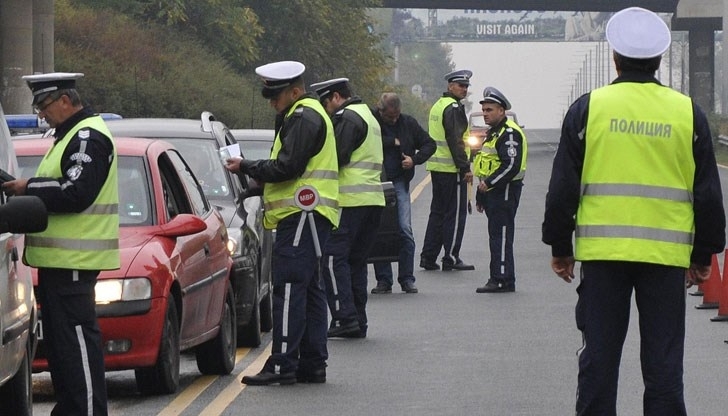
x: 27, y: 36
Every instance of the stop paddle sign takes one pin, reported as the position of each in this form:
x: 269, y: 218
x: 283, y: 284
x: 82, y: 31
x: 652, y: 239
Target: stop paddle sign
x: 306, y: 198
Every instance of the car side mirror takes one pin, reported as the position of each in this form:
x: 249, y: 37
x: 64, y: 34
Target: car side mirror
x: 23, y: 214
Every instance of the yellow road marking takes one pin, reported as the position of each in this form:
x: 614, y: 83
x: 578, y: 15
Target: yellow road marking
x: 223, y: 400
x: 420, y: 186
x: 188, y: 395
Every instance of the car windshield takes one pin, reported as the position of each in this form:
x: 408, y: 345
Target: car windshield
x: 204, y: 159
x: 256, y: 149
x: 134, y: 205
x: 477, y: 121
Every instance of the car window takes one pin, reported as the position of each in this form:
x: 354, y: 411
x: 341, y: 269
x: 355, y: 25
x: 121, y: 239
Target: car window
x: 477, y: 121
x: 197, y: 199
x: 204, y: 159
x: 134, y: 196
x: 255, y: 150
x: 27, y: 165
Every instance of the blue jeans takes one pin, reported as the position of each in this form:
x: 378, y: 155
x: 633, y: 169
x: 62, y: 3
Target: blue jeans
x: 383, y: 271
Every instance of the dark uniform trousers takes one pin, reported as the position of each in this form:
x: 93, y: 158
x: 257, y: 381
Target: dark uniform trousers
x: 300, y: 318
x: 446, y: 224
x: 602, y: 314
x: 500, y: 206
x: 345, y: 263
x: 73, y: 339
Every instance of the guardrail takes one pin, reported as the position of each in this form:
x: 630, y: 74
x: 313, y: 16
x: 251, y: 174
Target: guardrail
x: 723, y: 139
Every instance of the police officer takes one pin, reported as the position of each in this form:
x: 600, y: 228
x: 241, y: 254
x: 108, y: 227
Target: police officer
x: 635, y: 177
x: 302, y: 168
x: 500, y: 166
x: 77, y: 181
x: 450, y: 171
x: 361, y: 200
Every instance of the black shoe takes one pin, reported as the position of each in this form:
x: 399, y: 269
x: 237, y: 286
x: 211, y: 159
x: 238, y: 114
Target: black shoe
x: 311, y: 376
x: 496, y: 287
x: 348, y: 330
x: 409, y: 287
x: 429, y: 265
x: 458, y: 265
x: 265, y: 378
x: 382, y: 288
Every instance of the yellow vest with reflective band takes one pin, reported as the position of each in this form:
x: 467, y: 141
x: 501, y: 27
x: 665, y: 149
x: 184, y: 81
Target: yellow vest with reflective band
x: 441, y: 160
x: 360, y: 180
x: 322, y: 173
x: 637, y: 181
x: 88, y: 240
x: 487, y: 161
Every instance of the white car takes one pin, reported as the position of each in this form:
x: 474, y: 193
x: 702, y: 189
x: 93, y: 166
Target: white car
x: 18, y: 314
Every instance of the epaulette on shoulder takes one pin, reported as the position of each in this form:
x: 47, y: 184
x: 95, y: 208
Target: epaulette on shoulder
x: 84, y: 134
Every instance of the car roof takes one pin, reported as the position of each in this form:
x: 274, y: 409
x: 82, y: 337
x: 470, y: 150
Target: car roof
x: 124, y: 146
x: 254, y: 134
x: 158, y: 127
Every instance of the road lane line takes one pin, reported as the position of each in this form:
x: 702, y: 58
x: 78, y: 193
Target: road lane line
x: 419, y: 188
x: 188, y: 395
x: 223, y: 400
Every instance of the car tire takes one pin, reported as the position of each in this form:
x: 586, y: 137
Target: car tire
x: 217, y: 356
x: 16, y: 395
x: 163, y: 377
x: 249, y: 334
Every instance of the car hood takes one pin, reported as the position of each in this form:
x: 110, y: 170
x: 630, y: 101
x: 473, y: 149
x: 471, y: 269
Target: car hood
x: 132, y: 241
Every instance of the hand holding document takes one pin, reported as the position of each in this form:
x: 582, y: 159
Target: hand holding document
x: 228, y: 152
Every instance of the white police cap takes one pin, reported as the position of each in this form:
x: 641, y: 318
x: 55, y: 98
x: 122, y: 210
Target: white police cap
x: 43, y: 84
x: 492, y: 95
x: 461, y: 76
x: 276, y: 76
x: 638, y: 33
x: 328, y: 87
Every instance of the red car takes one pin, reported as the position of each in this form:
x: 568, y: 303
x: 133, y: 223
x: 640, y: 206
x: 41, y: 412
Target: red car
x: 173, y: 289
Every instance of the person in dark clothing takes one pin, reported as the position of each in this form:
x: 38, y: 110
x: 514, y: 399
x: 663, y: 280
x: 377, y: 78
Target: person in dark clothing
x: 406, y: 145
x: 450, y: 170
x: 302, y: 162
x: 77, y: 181
x: 635, y: 179
x: 359, y: 153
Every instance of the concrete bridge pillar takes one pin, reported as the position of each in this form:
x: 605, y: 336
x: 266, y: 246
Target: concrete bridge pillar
x: 43, y: 36
x: 702, y: 65
x: 16, y: 54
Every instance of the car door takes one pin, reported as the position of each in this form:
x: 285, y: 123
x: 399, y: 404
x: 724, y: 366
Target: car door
x: 203, y: 264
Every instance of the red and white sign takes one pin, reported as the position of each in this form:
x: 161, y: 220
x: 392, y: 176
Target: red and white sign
x: 306, y: 198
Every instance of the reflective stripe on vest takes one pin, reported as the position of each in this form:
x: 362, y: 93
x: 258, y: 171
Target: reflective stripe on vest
x: 637, y: 182
x: 88, y: 240
x: 441, y: 160
x: 487, y: 160
x: 322, y: 173
x: 360, y: 180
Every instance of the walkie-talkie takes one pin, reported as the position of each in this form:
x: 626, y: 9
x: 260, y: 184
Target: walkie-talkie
x: 5, y: 177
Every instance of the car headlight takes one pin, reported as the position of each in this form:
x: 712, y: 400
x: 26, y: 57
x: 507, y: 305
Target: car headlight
x: 473, y: 141
x: 234, y: 243
x: 114, y: 290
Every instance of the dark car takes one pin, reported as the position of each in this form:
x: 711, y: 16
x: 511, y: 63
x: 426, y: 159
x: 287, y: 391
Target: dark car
x: 173, y: 290
x: 257, y: 143
x: 249, y: 243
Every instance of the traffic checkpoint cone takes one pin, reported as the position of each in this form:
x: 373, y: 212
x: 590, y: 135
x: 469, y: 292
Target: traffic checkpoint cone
x: 723, y: 297
x: 712, y: 288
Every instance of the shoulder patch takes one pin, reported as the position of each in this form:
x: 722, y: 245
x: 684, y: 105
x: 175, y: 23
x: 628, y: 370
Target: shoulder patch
x: 509, y: 129
x: 84, y: 134
x: 81, y: 158
x: 455, y: 105
x: 298, y: 110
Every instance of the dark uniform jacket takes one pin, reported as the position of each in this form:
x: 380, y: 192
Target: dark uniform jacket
x: 562, y: 200
x: 302, y: 136
x: 455, y: 122
x: 74, y: 194
x: 350, y: 131
x: 414, y: 142
x: 510, y: 163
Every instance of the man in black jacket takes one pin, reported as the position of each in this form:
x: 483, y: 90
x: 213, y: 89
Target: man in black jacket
x: 406, y: 144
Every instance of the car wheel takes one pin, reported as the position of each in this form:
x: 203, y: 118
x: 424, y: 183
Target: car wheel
x: 217, y: 356
x: 16, y: 395
x: 163, y: 377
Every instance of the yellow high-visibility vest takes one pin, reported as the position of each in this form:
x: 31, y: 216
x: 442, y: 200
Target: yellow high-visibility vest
x: 360, y: 180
